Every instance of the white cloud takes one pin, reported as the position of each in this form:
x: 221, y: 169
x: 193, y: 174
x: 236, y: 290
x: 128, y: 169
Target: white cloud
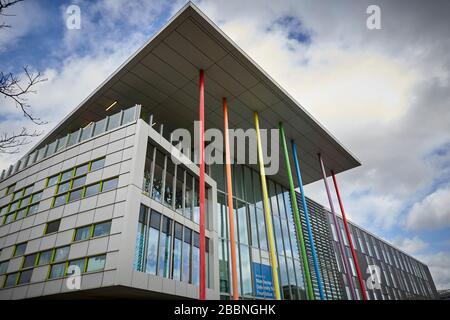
x: 433, y: 212
x: 439, y: 265
x: 410, y: 245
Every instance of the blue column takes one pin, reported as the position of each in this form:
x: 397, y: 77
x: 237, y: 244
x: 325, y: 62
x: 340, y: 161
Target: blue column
x: 308, y: 224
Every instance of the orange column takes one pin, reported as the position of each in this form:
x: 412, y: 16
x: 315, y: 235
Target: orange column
x: 230, y: 200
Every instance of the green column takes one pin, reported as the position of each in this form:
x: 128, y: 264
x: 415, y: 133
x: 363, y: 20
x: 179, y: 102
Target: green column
x: 298, y: 225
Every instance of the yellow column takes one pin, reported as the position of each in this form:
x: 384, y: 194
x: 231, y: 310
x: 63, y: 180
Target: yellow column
x: 268, y: 218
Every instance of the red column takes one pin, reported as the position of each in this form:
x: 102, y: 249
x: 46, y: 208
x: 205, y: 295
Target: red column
x: 202, y: 289
x: 347, y: 231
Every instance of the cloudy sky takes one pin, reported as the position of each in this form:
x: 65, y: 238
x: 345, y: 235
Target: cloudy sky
x: 384, y: 93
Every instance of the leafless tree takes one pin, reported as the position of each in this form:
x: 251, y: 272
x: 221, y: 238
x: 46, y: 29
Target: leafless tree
x: 16, y: 89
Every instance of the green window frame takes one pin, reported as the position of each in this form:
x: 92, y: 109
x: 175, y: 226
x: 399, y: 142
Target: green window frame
x: 96, y: 263
x: 30, y: 260
x: 92, y: 190
x: 53, y: 180
x: 57, y: 270
x: 45, y: 257
x: 82, y: 233
x: 52, y: 227
x: 11, y: 280
x: 10, y: 189
x: 110, y: 184
x: 19, y: 249
x: 97, y: 164
x: 101, y: 229
x: 60, y: 254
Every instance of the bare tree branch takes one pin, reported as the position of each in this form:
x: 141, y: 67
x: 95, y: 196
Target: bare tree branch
x: 10, y: 143
x: 4, y: 4
x: 10, y: 87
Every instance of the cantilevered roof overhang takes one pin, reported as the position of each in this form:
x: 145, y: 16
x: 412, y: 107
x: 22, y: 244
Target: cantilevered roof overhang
x: 163, y: 75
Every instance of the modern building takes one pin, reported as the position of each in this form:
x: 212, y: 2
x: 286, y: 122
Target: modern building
x: 105, y: 200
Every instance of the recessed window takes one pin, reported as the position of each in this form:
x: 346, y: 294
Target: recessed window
x: 21, y: 214
x: 9, y: 218
x: 10, y: 189
x: 11, y: 280
x: 14, y: 206
x: 32, y: 209
x: 92, y: 190
x: 82, y: 233
x: 20, y: 249
x: 17, y: 195
x: 110, y: 184
x: 66, y: 175
x: 52, y: 180
x: 3, y: 267
x: 59, y: 200
x: 100, y: 126
x: 76, y: 195
x: 77, y: 263
x: 61, y: 253
x: 45, y: 257
x: 81, y: 169
x: 57, y: 270
x: 28, y: 190
x: 36, y: 197
x: 25, y: 276
x: 29, y: 261
x: 64, y: 187
x: 101, y: 229
x: 52, y: 226
x: 97, y: 164
x: 25, y: 202
x: 96, y: 263
x: 78, y: 182
x: 3, y: 210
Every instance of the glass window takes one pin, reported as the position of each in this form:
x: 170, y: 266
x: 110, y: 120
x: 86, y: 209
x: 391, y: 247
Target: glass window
x: 29, y: 261
x: 52, y: 148
x: 114, y: 121
x: 187, y: 255
x: 28, y: 190
x: 11, y: 280
x: 179, y: 189
x: 196, y: 260
x: 67, y: 175
x: 177, y: 244
x: 246, y: 271
x: 21, y: 214
x: 82, y: 233
x: 62, y: 143
x: 9, y: 218
x: 261, y: 229
x: 3, y: 210
x: 157, y: 176
x: 110, y: 184
x: 77, y: 263
x: 73, y: 138
x: 92, y: 189
x: 20, y: 249
x: 3, y: 267
x: 168, y: 192
x: 101, y: 229
x: 140, y: 239
x: 82, y: 169
x: 57, y: 270
x: 75, y: 195
x: 10, y: 189
x: 52, y: 226
x: 188, y: 196
x: 128, y: 115
x: 41, y: 153
x: 61, y: 253
x: 78, y: 182
x: 25, y: 276
x: 242, y: 222
x: 64, y: 187
x: 97, y: 164
x: 14, y: 206
x: 59, y: 200
x: 153, y: 242
x: 33, y: 209
x: 164, y: 248
x: 100, y: 127
x: 196, y: 209
x: 96, y: 263
x: 36, y: 197
x: 17, y: 195
x: 45, y: 257
x: 86, y: 132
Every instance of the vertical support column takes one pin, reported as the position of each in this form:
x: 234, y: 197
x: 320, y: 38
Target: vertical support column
x: 347, y: 231
x: 338, y: 231
x: 230, y: 200
x: 298, y: 224
x: 308, y: 224
x: 267, y: 216
x: 202, y: 288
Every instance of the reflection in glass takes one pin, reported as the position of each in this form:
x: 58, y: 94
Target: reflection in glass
x: 164, y: 248
x: 152, y: 243
x: 177, y: 244
x: 187, y: 254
